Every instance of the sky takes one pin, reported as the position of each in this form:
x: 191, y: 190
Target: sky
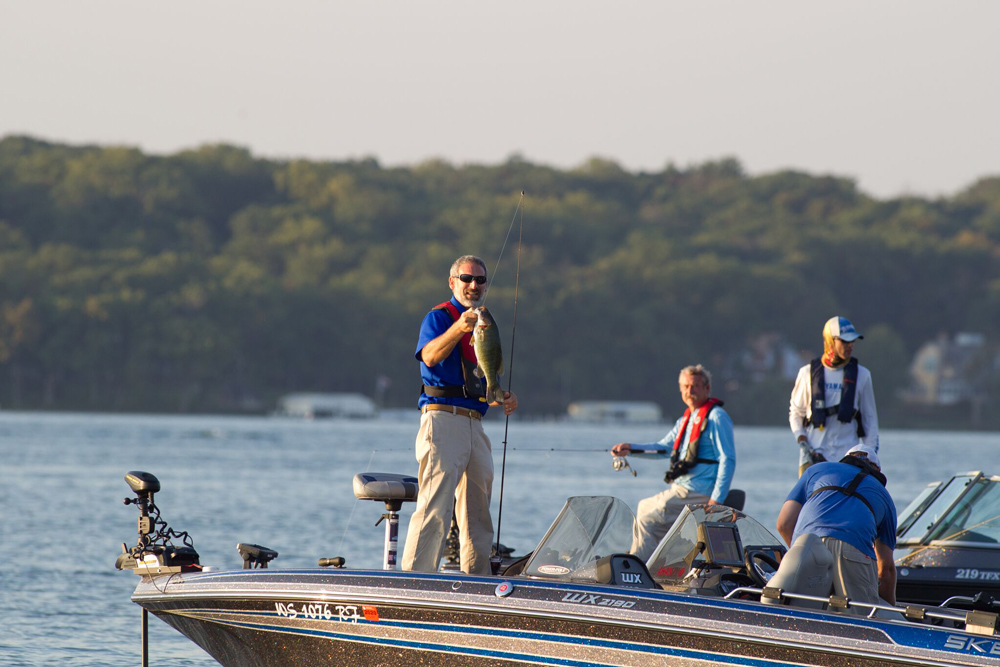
x: 903, y: 96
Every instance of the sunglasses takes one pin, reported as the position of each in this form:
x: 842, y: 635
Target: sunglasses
x: 466, y: 278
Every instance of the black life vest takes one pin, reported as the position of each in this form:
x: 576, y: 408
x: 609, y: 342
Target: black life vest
x: 473, y: 387
x: 851, y: 488
x: 678, y: 466
x: 818, y: 410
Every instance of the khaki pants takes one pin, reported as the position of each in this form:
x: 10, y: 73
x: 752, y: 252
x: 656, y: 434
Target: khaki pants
x: 456, y: 474
x: 655, y: 516
x: 855, y: 575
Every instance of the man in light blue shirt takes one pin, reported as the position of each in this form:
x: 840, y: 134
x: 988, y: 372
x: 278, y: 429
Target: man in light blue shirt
x: 702, y: 461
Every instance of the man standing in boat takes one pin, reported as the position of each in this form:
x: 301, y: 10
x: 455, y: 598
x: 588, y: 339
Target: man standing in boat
x: 832, y: 407
x: 847, y: 506
x: 702, y: 461
x: 455, y: 456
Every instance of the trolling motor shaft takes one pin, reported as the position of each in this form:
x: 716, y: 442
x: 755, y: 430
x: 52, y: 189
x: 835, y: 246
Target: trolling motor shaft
x: 143, y: 485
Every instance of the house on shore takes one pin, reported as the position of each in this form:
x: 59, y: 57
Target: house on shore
x: 954, y: 371
x: 947, y: 371
x: 615, y: 412
x: 327, y: 406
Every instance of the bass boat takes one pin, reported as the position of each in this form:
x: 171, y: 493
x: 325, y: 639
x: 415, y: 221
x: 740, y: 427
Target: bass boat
x: 577, y: 599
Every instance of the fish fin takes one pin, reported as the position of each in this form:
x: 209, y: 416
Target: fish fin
x: 502, y: 369
x: 479, y: 372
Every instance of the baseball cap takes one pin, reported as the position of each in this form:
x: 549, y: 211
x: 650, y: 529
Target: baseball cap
x: 868, y: 452
x: 841, y: 327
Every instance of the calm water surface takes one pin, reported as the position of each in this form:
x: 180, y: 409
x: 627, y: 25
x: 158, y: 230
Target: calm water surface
x: 288, y: 485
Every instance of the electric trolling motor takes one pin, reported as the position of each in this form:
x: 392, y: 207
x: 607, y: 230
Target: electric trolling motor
x: 155, y: 552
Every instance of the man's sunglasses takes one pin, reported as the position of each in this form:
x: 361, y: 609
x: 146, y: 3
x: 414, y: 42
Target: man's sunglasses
x: 466, y: 278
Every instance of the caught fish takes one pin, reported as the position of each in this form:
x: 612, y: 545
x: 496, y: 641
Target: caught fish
x: 486, y: 341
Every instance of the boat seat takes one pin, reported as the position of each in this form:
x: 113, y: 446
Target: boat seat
x: 393, y: 490
x: 624, y: 570
x: 385, y: 487
x: 736, y: 499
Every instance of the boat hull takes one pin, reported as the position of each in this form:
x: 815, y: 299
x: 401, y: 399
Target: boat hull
x: 929, y: 575
x: 263, y: 617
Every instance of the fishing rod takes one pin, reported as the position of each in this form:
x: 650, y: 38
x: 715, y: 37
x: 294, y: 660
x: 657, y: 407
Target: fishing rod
x: 495, y: 560
x: 482, y: 302
x: 557, y: 449
x: 513, y: 449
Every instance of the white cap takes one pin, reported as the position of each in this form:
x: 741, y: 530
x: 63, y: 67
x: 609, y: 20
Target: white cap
x: 868, y: 453
x: 841, y: 327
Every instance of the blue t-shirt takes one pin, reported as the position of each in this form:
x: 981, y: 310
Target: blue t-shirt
x: 448, y: 373
x: 836, y: 514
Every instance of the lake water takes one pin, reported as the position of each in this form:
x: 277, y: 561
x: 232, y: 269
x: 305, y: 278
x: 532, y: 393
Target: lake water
x: 287, y: 485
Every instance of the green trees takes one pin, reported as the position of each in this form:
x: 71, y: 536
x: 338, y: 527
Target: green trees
x: 213, y: 280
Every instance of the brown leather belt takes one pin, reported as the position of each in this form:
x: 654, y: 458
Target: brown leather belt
x: 454, y: 409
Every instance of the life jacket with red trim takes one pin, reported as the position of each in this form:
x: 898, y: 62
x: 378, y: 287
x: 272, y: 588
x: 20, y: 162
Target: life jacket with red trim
x: 473, y: 387
x: 678, y: 466
x: 818, y: 410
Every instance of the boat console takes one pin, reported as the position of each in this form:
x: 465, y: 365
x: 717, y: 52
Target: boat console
x: 721, y: 543
x: 703, y: 553
x: 714, y: 550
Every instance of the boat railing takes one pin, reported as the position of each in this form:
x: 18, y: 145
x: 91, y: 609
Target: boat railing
x: 975, y: 621
x: 969, y: 601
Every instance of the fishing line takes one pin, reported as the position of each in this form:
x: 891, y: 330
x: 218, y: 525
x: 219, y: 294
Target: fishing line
x: 482, y: 302
x: 510, y: 367
x: 343, y: 537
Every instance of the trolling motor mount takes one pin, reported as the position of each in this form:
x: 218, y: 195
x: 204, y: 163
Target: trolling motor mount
x: 155, y: 552
x: 254, y: 555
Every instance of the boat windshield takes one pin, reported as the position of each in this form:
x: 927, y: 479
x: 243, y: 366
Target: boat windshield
x: 673, y: 558
x: 917, y: 507
x: 975, y: 518
x: 966, y: 508
x: 587, y: 529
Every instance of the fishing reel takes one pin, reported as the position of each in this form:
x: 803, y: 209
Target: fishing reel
x: 621, y: 463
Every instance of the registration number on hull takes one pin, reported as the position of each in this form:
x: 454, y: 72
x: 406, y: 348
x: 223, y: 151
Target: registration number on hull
x: 318, y: 611
x: 978, y: 575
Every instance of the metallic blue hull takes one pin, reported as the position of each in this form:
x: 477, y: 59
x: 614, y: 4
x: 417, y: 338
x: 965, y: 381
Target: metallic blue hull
x: 276, y: 617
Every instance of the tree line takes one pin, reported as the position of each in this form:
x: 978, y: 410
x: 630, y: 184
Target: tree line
x: 212, y: 280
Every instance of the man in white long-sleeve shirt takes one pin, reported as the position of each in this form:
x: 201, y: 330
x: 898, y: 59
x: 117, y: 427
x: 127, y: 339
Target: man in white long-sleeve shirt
x: 833, y: 404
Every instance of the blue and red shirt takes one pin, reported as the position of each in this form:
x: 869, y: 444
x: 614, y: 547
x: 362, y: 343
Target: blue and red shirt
x: 448, y: 373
